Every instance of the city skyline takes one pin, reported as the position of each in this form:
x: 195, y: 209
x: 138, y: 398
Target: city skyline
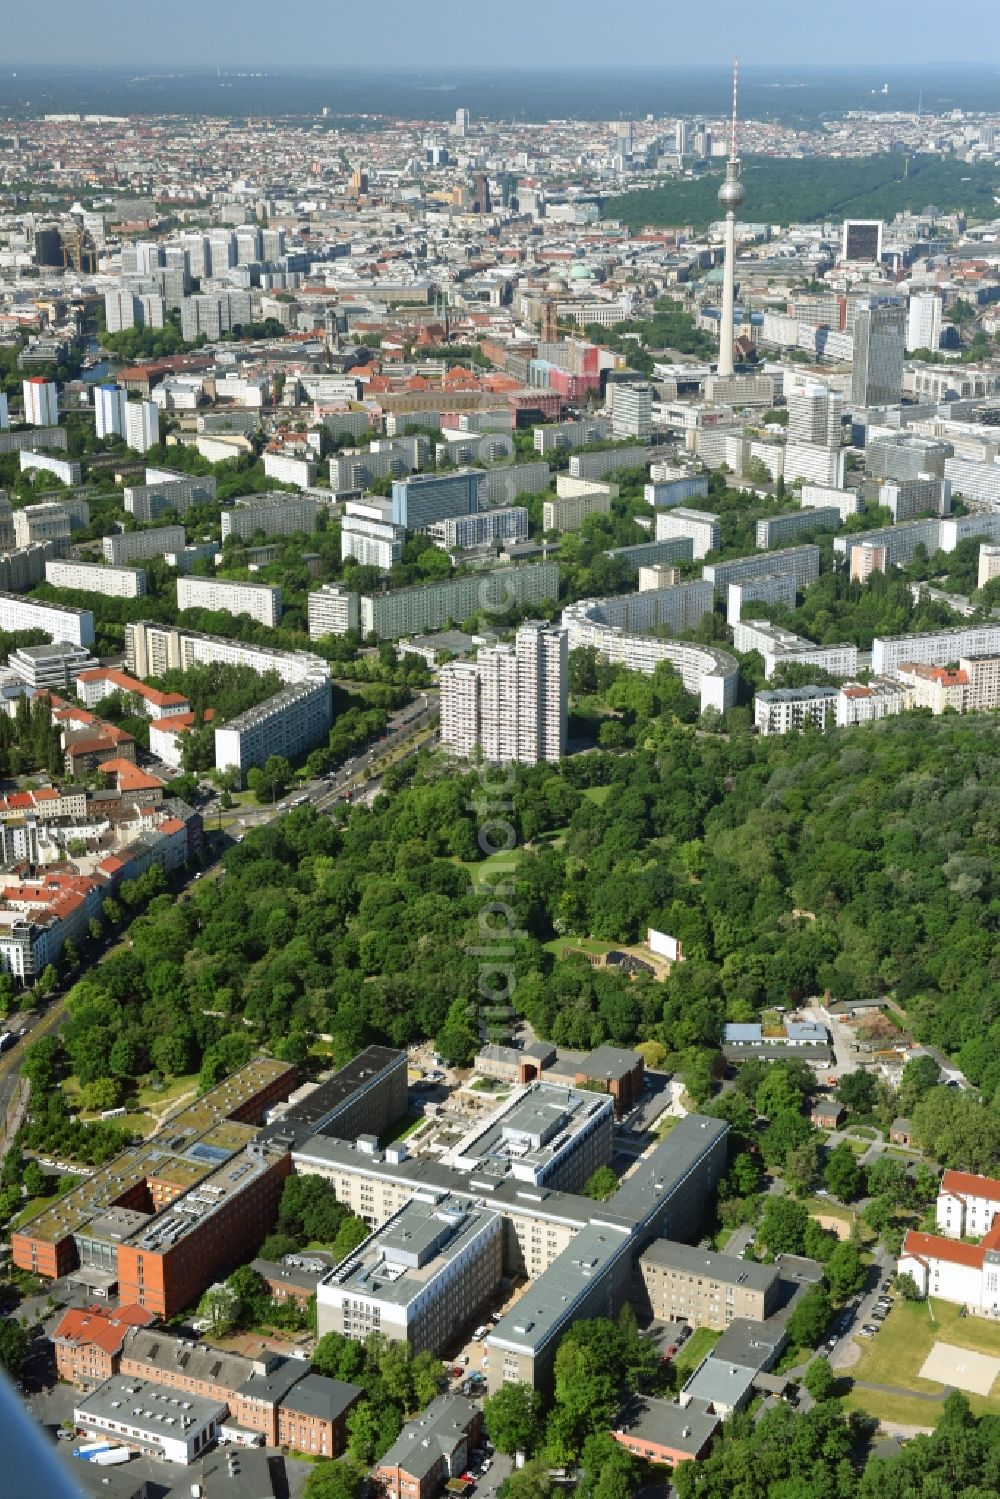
x: 564, y: 35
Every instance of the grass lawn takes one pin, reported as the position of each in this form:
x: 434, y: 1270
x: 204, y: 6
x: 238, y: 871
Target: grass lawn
x: 33, y: 1206
x: 496, y: 867
x: 894, y: 1356
x: 153, y: 1098
x: 583, y: 944
x: 597, y: 794
x: 829, y: 1209
x: 401, y: 1129
x: 701, y: 1341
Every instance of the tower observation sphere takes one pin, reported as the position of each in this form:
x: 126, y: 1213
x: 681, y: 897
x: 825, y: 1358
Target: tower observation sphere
x: 732, y: 193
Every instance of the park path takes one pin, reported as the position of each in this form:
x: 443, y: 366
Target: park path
x: 168, y: 1110
x: 891, y: 1389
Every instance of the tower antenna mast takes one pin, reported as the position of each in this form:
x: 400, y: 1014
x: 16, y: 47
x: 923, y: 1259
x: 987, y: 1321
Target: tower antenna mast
x: 731, y: 195
x: 732, y: 128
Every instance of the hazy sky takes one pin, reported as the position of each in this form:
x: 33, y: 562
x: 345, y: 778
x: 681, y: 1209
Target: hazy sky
x: 241, y: 33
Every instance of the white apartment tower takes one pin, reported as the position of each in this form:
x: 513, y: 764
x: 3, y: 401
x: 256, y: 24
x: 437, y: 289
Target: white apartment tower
x: 923, y: 321
x: 512, y: 703
x: 41, y: 403
x: 110, y: 402
x: 814, y: 414
x: 142, y: 425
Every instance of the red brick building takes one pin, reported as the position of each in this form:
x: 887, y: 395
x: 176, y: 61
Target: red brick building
x: 88, y: 1342
x: 163, y: 1219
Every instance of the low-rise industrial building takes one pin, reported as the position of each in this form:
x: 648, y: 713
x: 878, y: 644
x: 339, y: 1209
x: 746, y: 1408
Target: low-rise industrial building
x: 151, y: 1419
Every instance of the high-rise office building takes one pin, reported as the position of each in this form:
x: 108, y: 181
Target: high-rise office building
x: 110, y: 402
x: 862, y: 240
x: 731, y: 195
x: 631, y: 410
x: 682, y: 138
x: 879, y: 349
x: 421, y: 499
x: 512, y: 703
x: 462, y: 122
x: 41, y: 402
x: 923, y: 321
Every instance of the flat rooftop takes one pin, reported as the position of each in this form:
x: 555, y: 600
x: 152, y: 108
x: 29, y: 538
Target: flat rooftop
x: 190, y: 1211
x: 154, y: 1410
x: 526, y: 1136
x: 671, y: 1255
x: 398, y: 1262
x: 192, y: 1145
x: 548, y: 1304
x: 423, y: 1172
x: 323, y: 1104
x: 610, y: 1063
x: 659, y: 1173
x: 684, y: 1428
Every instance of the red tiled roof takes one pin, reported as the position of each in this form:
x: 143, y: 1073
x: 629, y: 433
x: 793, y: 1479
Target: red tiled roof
x: 130, y: 777
x: 965, y: 1184
x: 937, y: 1247
x: 102, y: 1326
x: 125, y: 683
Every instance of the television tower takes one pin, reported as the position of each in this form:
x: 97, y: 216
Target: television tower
x: 731, y: 195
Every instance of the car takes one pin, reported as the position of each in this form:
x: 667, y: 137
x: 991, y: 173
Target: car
x: 65, y: 1436
x: 487, y: 1464
x: 671, y: 1351
x: 822, y: 1192
x: 831, y: 1344
x: 457, y: 1371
